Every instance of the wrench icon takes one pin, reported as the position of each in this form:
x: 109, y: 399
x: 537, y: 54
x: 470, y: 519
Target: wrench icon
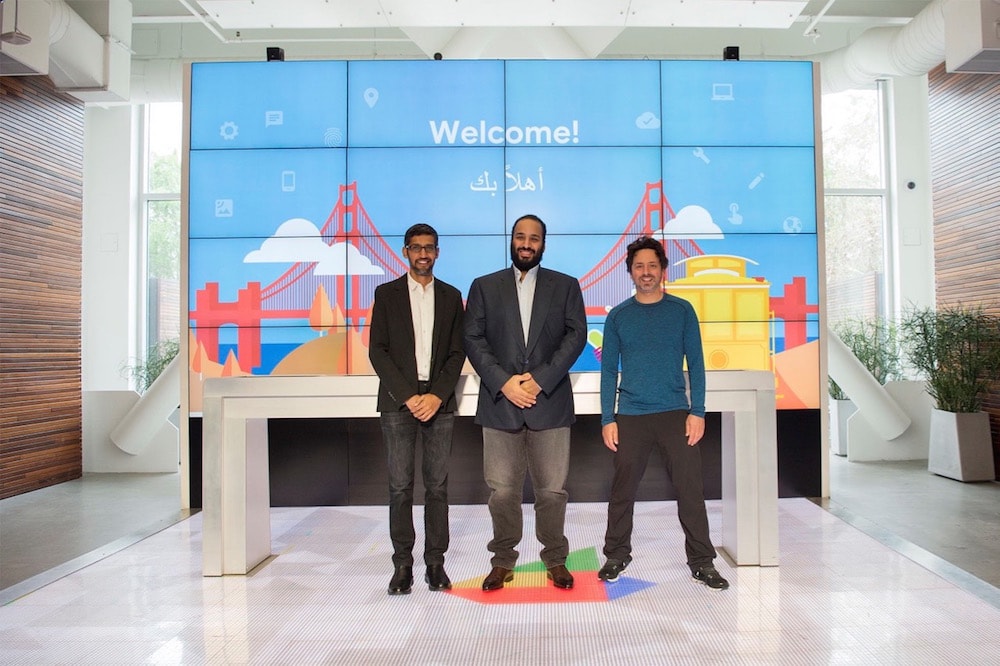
x: 699, y: 152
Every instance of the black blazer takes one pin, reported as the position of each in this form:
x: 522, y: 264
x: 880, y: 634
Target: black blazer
x: 391, y: 347
x: 494, y: 342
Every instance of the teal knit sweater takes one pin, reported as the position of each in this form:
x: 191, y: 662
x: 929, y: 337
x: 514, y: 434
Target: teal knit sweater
x: 651, y: 341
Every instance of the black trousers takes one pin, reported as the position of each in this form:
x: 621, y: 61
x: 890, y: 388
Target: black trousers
x: 637, y: 435
x: 402, y: 433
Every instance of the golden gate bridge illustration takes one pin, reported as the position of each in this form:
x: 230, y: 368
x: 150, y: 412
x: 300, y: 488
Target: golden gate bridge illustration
x: 717, y: 285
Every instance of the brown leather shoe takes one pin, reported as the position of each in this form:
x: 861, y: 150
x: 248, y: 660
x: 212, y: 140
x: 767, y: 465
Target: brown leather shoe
x: 561, y: 577
x: 496, y: 578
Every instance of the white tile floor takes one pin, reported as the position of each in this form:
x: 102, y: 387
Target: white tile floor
x: 838, y: 596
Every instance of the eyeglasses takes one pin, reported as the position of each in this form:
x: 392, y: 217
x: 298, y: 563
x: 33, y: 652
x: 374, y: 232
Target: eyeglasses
x: 417, y: 249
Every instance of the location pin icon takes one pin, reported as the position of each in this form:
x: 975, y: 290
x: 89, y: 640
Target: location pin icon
x: 371, y: 97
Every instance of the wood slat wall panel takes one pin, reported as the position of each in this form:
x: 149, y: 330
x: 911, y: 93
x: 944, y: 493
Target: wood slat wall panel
x: 965, y: 170
x: 41, y: 220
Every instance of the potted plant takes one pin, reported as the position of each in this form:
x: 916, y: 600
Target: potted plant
x: 158, y: 357
x: 957, y: 350
x: 874, y: 341
x: 841, y: 409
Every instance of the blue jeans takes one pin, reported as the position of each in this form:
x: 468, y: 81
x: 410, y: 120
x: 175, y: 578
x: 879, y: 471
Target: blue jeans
x: 507, y: 456
x: 637, y: 436
x: 401, y: 433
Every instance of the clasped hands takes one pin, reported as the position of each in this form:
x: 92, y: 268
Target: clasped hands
x: 521, y: 390
x: 423, y: 407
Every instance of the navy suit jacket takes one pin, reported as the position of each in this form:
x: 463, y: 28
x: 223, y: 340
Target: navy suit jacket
x: 494, y: 343
x: 391, y: 346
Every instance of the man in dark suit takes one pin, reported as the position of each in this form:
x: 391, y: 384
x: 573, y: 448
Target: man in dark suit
x: 416, y: 350
x: 525, y: 326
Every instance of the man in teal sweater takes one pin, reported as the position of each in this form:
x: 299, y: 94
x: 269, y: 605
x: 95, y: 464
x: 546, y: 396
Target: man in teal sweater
x: 652, y: 334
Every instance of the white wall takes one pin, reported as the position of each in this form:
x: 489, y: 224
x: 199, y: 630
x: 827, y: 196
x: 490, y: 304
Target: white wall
x: 109, y: 313
x: 111, y: 325
x: 913, y: 218
x: 102, y: 411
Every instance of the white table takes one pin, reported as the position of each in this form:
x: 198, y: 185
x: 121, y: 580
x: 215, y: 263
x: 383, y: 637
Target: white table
x: 236, y: 497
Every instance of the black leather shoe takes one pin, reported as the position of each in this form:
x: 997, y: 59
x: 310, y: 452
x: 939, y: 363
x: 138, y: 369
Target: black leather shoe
x: 496, y: 578
x: 402, y: 581
x: 561, y: 577
x: 436, y: 578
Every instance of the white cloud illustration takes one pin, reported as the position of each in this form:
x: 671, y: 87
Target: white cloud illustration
x: 692, y: 222
x: 299, y: 240
x: 295, y: 240
x: 344, y: 259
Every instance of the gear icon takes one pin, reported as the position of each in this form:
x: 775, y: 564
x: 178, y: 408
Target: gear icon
x: 229, y: 131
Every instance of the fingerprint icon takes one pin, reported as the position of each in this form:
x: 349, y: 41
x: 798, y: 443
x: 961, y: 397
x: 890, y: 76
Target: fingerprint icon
x: 333, y: 137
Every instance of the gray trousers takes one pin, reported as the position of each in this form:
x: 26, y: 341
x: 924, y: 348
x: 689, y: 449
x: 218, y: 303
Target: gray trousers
x: 507, y: 456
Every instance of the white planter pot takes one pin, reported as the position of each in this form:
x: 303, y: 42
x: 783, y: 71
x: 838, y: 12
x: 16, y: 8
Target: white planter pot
x: 960, y: 446
x: 840, y: 411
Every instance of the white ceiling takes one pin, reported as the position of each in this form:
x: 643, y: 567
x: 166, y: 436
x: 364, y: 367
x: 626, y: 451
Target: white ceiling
x: 209, y: 29
x: 247, y: 14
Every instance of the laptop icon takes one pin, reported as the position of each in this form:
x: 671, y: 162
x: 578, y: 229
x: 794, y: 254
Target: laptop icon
x: 722, y: 92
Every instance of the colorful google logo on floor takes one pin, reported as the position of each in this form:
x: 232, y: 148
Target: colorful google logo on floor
x: 530, y: 585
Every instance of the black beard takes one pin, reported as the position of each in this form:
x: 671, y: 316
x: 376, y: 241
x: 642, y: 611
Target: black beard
x: 525, y: 266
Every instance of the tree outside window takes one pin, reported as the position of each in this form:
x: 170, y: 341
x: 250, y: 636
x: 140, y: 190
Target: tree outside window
x: 161, y: 211
x: 855, y: 203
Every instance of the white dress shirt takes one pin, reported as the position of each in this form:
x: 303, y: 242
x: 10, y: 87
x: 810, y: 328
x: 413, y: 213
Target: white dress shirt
x: 526, y: 296
x: 422, y: 311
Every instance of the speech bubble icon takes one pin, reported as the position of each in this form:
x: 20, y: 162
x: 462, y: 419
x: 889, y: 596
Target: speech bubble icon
x: 371, y: 97
x: 274, y: 118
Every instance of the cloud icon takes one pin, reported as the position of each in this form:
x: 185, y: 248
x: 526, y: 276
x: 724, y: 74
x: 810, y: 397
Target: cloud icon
x: 647, y: 120
x: 692, y: 222
x: 298, y: 241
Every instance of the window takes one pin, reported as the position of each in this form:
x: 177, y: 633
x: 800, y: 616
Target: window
x: 856, y: 201
x: 161, y: 221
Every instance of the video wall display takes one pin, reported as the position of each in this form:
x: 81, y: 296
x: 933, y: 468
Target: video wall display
x: 305, y: 175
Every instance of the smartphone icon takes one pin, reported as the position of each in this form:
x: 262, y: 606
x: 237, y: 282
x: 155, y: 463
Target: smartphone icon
x: 287, y: 181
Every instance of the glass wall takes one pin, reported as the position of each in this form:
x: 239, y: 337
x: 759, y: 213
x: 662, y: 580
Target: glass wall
x: 160, y: 215
x: 856, y: 202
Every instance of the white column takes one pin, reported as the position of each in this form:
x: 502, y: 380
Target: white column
x: 911, y: 238
x: 110, y: 244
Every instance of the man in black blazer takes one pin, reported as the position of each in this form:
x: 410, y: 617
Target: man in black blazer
x: 416, y: 349
x: 525, y: 326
